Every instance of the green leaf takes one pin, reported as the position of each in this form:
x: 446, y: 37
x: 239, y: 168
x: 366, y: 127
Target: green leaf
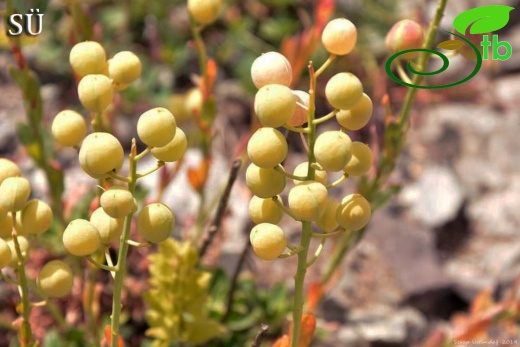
x: 483, y: 19
x: 451, y: 45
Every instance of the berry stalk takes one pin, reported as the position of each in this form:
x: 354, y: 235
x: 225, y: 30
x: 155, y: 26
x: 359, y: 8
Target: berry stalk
x: 25, y: 332
x: 299, y: 278
x: 122, y: 254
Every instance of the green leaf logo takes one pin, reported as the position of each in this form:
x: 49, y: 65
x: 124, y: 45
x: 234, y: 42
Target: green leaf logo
x: 483, y: 19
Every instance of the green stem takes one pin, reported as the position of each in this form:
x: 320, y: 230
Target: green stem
x: 351, y: 239
x: 317, y: 253
x: 280, y: 169
x: 299, y: 278
x: 296, y: 130
x: 122, y: 254
x: 326, y: 117
x: 423, y: 58
x: 26, y: 332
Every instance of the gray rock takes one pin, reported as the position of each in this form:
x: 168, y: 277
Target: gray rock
x: 436, y: 197
x: 381, y: 325
x: 496, y: 213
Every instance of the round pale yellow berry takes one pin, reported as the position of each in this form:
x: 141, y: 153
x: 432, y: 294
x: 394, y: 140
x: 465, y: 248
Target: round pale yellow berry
x: 155, y: 222
x: 24, y: 248
x: 5, y: 254
x: 100, y: 154
x: 271, y: 68
x: 109, y: 228
x: 95, y: 92
x: 265, y: 210
x: 204, y: 11
x: 274, y: 105
x: 361, y: 161
x: 8, y: 169
x: 358, y: 116
x: 14, y: 192
x: 327, y: 221
x: 177, y: 106
x: 267, y: 147
x: 333, y: 150
x: 264, y: 183
x: 268, y: 241
x: 308, y: 200
x: 6, y: 226
x: 68, y: 128
x: 88, y: 58
x: 156, y: 127
x: 55, y: 279
x: 300, y: 115
x: 118, y: 202
x: 302, y: 170
x: 81, y: 238
x: 124, y: 68
x: 353, y: 212
x: 174, y: 150
x: 194, y: 102
x: 339, y: 36
x: 36, y: 217
x: 343, y: 90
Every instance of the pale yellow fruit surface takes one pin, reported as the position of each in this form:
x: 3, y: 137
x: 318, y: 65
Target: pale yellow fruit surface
x: 333, y: 150
x: 358, y: 116
x: 68, y: 128
x: 24, y: 247
x: 100, y: 154
x: 109, y: 228
x: 95, y: 92
x: 174, y: 150
x: 118, y: 202
x: 204, y: 11
x: 300, y: 115
x: 155, y: 222
x: 271, y: 68
x: 264, y: 183
x: 353, y: 212
x: 156, y: 127
x: 14, y: 192
x: 327, y: 221
x: 124, y: 68
x: 6, y: 226
x: 193, y: 103
x: 267, y: 147
x: 8, y: 169
x: 308, y: 200
x: 361, y: 161
x: 268, y: 241
x: 177, y: 106
x: 274, y: 105
x: 343, y: 90
x: 87, y: 58
x: 265, y: 210
x: 5, y: 254
x: 36, y: 217
x: 302, y: 170
x: 339, y: 36
x: 81, y: 238
x: 55, y: 279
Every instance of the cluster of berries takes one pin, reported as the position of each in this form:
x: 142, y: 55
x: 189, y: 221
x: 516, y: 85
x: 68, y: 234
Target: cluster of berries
x: 21, y: 219
x: 101, y: 155
x: 276, y: 105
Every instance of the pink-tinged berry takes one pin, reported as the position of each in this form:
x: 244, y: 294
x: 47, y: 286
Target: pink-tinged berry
x: 404, y: 35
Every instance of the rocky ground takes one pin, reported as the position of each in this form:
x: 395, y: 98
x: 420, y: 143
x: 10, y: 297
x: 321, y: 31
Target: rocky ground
x: 452, y: 232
